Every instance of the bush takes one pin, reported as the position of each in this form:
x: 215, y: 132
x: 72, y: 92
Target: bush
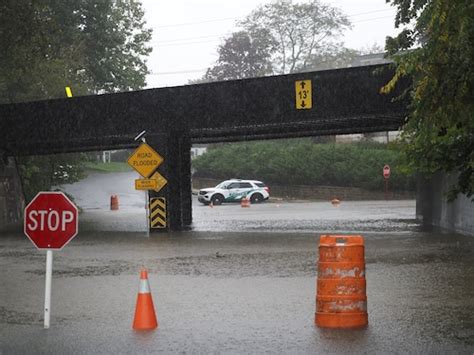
x: 303, y: 162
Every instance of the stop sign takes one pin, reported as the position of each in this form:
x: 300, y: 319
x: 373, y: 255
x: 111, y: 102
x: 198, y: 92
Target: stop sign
x: 386, y: 171
x: 50, y: 220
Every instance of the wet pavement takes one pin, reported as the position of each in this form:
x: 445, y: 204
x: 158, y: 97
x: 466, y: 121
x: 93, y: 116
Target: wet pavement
x: 242, y: 282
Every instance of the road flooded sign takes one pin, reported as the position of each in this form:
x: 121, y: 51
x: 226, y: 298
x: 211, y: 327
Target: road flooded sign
x: 160, y: 181
x: 146, y: 184
x: 145, y: 160
x: 304, y: 94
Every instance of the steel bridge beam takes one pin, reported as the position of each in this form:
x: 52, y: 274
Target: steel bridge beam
x: 344, y: 101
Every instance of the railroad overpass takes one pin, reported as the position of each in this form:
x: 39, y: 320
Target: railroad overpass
x: 343, y: 101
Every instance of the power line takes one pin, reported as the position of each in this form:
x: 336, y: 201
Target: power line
x: 197, y: 22
x: 236, y: 18
x: 185, y: 39
x: 190, y: 40
x: 373, y: 19
x: 184, y: 43
x: 179, y: 72
x: 369, y: 12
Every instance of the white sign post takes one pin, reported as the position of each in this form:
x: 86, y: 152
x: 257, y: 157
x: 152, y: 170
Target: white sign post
x: 47, y: 290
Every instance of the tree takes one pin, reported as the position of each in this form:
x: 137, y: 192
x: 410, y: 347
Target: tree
x: 243, y: 55
x: 436, y: 50
x: 91, y: 46
x: 300, y: 29
x: 49, y: 44
x: 282, y: 37
x: 332, y: 57
x: 40, y: 173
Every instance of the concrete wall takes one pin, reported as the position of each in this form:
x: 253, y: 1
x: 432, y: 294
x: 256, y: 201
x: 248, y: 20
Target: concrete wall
x: 324, y: 193
x: 12, y: 202
x: 433, y: 209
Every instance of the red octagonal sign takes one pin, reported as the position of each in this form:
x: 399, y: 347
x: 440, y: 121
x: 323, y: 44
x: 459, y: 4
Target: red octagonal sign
x: 51, y: 220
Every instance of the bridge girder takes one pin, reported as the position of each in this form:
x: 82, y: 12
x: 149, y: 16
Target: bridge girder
x: 344, y: 101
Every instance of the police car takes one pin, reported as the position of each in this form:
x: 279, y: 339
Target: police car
x: 234, y: 190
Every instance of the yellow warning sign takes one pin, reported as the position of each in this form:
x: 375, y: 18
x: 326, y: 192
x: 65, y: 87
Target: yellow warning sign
x: 146, y: 184
x: 158, y: 212
x: 145, y: 160
x: 303, y: 94
x: 160, y: 181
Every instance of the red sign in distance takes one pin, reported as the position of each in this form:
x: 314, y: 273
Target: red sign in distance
x: 51, y: 220
x: 386, y: 171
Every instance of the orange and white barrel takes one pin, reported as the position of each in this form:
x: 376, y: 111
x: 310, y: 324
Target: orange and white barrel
x: 114, y: 203
x: 341, y: 300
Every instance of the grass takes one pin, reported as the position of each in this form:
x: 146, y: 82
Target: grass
x: 112, y: 167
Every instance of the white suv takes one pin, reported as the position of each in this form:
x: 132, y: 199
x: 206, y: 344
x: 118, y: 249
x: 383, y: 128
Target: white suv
x: 234, y: 190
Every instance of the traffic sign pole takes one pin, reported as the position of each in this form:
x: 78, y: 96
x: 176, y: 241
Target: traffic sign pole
x: 47, y: 291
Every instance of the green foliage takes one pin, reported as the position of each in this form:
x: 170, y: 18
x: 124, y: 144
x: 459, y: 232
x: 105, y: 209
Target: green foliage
x: 40, y: 173
x: 301, y: 162
x: 243, y: 55
x: 46, y: 45
x: 91, y: 46
x: 439, y: 134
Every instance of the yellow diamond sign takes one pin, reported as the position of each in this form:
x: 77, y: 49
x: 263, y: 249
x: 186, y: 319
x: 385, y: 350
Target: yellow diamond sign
x: 160, y: 181
x: 145, y: 160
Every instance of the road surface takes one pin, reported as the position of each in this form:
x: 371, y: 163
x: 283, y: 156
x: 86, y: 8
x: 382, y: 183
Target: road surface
x: 242, y: 282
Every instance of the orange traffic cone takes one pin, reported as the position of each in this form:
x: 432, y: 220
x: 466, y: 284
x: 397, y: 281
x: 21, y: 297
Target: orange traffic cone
x: 145, y: 317
x: 245, y: 202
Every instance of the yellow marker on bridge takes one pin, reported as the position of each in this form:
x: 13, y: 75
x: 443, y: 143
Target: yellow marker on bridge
x: 303, y: 92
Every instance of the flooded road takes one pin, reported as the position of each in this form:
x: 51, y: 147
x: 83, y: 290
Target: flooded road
x: 234, y: 292
x: 242, y: 282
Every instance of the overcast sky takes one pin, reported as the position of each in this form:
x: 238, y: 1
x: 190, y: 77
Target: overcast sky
x: 186, y: 33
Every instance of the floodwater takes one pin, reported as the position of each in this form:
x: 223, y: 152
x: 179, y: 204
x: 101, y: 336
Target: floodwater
x: 243, y: 281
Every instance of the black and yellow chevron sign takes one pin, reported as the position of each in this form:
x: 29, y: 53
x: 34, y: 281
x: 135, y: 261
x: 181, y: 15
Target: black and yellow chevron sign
x: 158, y: 212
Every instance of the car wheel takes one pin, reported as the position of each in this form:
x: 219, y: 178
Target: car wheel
x: 256, y: 198
x: 217, y: 199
